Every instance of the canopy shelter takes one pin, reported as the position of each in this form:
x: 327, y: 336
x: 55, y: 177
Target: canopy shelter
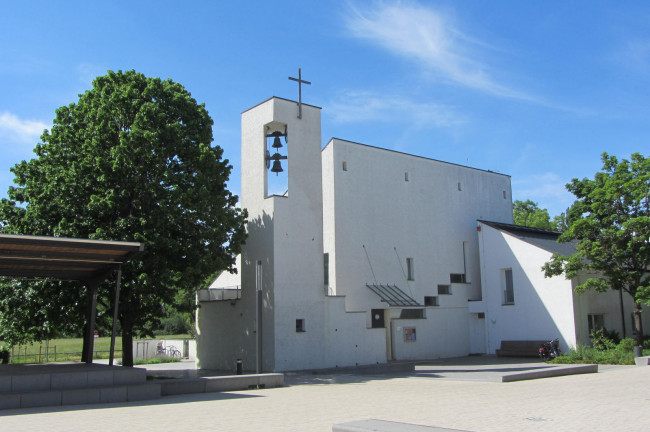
x: 70, y: 259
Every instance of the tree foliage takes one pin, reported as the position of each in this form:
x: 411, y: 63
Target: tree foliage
x: 527, y: 213
x: 610, y: 220
x: 131, y: 160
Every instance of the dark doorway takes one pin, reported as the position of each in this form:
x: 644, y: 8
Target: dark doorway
x: 377, y: 318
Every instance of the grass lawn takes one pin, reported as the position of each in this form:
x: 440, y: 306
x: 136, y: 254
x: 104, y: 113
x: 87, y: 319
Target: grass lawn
x: 62, y: 350
x: 69, y: 349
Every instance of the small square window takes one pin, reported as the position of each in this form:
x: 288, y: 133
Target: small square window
x: 444, y: 289
x: 300, y: 325
x: 431, y: 301
x: 457, y: 278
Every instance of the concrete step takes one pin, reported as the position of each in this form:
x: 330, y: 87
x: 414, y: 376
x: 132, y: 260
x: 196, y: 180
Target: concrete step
x: 65, y: 376
x: 80, y: 396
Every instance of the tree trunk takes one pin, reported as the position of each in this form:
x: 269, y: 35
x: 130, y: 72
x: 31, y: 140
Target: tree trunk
x: 127, y: 339
x: 84, y: 348
x: 638, y: 324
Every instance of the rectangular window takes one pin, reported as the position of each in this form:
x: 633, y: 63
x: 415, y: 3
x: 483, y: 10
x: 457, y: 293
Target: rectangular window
x: 410, y: 270
x: 345, y: 166
x: 595, y: 321
x: 411, y: 314
x: 300, y: 325
x: 460, y: 186
x: 444, y: 289
x: 457, y: 278
x: 406, y: 176
x: 326, y: 269
x: 508, y: 291
x: 431, y: 301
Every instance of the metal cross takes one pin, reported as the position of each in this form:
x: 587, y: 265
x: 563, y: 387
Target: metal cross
x: 300, y: 83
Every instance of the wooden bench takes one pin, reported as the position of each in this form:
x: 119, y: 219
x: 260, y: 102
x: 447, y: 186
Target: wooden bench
x: 519, y: 348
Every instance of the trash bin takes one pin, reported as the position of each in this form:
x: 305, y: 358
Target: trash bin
x: 638, y: 351
x: 239, y: 367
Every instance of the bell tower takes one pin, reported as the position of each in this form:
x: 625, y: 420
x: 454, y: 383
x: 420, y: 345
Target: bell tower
x: 282, y: 260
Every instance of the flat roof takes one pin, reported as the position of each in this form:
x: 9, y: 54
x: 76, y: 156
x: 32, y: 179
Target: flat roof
x: 26, y: 256
x: 279, y: 98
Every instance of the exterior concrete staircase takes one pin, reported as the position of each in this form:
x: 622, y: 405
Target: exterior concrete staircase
x: 27, y: 386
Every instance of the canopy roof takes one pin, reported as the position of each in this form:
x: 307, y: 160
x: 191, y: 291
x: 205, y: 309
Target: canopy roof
x: 392, y: 295
x: 62, y: 258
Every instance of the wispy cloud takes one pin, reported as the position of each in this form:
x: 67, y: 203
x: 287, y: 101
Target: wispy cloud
x: 360, y: 106
x: 634, y: 55
x: 14, y: 128
x: 431, y: 39
x: 88, y: 72
x: 548, y: 189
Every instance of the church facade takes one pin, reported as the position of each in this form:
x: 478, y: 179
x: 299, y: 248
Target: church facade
x: 370, y: 255
x: 365, y: 255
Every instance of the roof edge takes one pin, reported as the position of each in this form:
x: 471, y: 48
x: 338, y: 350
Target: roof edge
x: 279, y: 98
x: 415, y: 156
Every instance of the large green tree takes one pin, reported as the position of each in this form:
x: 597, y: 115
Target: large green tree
x: 528, y: 213
x: 130, y: 160
x: 610, y: 220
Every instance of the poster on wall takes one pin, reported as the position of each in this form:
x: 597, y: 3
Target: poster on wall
x: 409, y: 334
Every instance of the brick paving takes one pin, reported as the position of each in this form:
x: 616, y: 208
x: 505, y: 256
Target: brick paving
x: 617, y: 399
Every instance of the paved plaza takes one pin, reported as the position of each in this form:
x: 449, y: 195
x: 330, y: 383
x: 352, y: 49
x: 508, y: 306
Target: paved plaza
x: 461, y: 394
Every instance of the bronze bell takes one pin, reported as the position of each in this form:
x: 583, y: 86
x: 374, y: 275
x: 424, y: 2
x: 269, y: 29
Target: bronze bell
x: 277, y: 167
x: 277, y: 143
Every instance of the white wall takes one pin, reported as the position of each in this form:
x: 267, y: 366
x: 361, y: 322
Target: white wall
x: 147, y: 348
x: 607, y: 304
x: 374, y: 219
x: 426, y: 218
x: 543, y: 307
x: 367, y: 213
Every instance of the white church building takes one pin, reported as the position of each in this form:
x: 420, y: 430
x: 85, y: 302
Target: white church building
x: 369, y: 255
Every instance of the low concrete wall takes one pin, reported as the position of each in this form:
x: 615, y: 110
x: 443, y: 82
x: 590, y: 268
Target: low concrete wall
x: 373, y: 425
x: 221, y: 384
x: 551, y: 372
x: 642, y: 361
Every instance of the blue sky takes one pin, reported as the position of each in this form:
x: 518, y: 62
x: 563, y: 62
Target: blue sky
x: 536, y: 90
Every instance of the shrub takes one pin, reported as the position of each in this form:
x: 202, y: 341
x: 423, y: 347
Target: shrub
x: 4, y: 355
x: 626, y: 344
x: 154, y: 360
x: 583, y: 354
x: 604, y: 339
